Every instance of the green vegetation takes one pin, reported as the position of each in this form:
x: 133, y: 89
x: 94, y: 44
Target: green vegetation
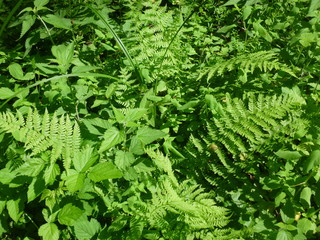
x: 149, y: 119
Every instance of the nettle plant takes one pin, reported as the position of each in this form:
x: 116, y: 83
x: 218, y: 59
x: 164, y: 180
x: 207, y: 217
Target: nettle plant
x: 154, y: 120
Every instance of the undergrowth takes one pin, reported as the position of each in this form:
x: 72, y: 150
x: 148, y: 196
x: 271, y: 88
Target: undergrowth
x: 159, y: 119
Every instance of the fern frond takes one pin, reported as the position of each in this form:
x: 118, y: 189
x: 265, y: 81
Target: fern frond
x: 263, y: 60
x: 59, y: 136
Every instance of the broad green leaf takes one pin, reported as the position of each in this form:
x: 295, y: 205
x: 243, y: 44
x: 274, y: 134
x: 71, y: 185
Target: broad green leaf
x: 49, y: 231
x: 75, y: 182
x: 279, y: 198
x: 64, y: 55
x: 57, y: 21
x: 312, y: 161
x: 262, y: 31
x: 51, y: 173
x: 305, y: 197
x: 143, y: 137
x: 86, y: 229
x: 69, y: 214
x: 284, y: 235
x: 246, y: 12
x: 16, y: 71
x: 15, y: 209
x: 111, y: 137
x: 103, y: 171
x: 231, y: 3
x: 40, y: 3
x: 305, y: 225
x: 118, y: 114
x: 124, y: 159
x: 314, y: 5
x: 226, y: 29
x: 36, y: 188
x: 84, y: 159
x: 27, y: 23
x: 134, y: 114
x: 288, y: 155
x: 5, y: 93
x: 188, y: 105
x: 287, y: 213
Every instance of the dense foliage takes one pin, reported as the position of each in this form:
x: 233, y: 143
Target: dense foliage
x: 177, y: 119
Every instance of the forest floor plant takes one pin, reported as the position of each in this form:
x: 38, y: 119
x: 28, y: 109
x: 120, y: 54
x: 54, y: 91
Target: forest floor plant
x: 172, y: 119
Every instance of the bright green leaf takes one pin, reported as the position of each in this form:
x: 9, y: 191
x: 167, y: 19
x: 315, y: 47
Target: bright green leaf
x: 69, y: 214
x: 262, y: 32
x: 40, y: 3
x: 35, y: 188
x: 5, y: 93
x: 111, y: 137
x: 27, y: 23
x: 75, y: 182
x: 103, y: 171
x: 57, y: 21
x: 86, y: 229
x: 231, y: 3
x: 49, y: 231
x: 288, y: 155
x: 143, y: 137
x: 287, y: 213
x: 305, y: 197
x: 284, y: 235
x: 314, y: 5
x: 312, y: 161
x: 15, y: 209
x: 124, y: 159
x: 305, y: 225
x: 84, y: 159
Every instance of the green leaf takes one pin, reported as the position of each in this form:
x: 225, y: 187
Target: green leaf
x: 57, y: 21
x: 226, y: 29
x: 86, y: 230
x: 15, y: 208
x: 134, y: 114
x: 231, y: 3
x: 123, y: 159
x: 49, y: 231
x: 284, y: 235
x: 36, y: 188
x: 305, y: 197
x: 27, y: 23
x: 311, y: 162
x: 279, y: 198
x: 314, y: 5
x: 287, y: 213
x: 143, y: 137
x: 40, y: 3
x: 5, y: 93
x: 74, y: 182
x: 16, y: 71
x: 64, y: 55
x: 305, y: 225
x: 84, y: 159
x: 51, y: 173
x: 69, y: 214
x: 288, y: 155
x: 262, y: 32
x: 103, y: 171
x: 111, y: 137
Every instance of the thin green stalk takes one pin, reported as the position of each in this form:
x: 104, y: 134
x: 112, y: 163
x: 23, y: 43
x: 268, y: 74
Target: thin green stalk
x: 170, y: 43
x: 59, y: 77
x: 118, y: 40
x: 10, y: 16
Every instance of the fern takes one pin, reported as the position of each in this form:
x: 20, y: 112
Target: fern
x: 39, y: 134
x: 263, y: 60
